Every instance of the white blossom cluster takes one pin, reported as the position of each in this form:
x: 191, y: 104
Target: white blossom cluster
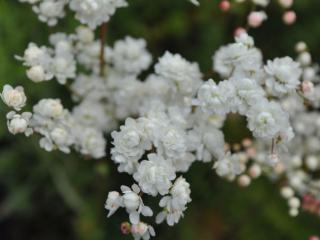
x: 300, y: 161
x: 173, y: 117
x: 90, y: 12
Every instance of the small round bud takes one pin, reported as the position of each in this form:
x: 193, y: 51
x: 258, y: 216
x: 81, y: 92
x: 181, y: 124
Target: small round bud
x: 244, y: 181
x: 305, y: 58
x: 312, y: 163
x: 301, y: 47
x: 252, y: 152
x: 307, y: 87
x: 17, y: 125
x: 36, y: 74
x: 238, y: 31
x: 224, y: 5
x: 85, y: 34
x: 294, y: 202
x: 247, y: 142
x: 279, y: 168
x: 296, y: 161
x: 256, y: 18
x: 287, y: 192
x: 125, y: 228
x: 293, y: 212
x: 289, y: 17
x: 255, y: 171
x: 309, y: 74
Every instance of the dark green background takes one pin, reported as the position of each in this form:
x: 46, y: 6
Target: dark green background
x: 58, y: 196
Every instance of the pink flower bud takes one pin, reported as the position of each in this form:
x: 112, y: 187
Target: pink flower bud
x: 289, y: 17
x: 125, y: 228
x: 256, y: 18
x: 307, y: 87
x: 314, y: 238
x: 225, y: 5
x: 238, y: 31
x: 244, y: 181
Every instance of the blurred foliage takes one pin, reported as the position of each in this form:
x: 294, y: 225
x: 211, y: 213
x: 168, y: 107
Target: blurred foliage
x: 58, y: 196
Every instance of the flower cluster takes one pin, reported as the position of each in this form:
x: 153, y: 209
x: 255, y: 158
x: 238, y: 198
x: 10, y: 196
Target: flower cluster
x: 258, y: 14
x: 174, y: 116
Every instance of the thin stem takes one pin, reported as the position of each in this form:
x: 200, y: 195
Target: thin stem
x: 273, y: 146
x: 103, y: 37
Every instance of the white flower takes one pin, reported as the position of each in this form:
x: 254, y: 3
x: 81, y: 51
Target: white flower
x: 113, y: 202
x: 129, y: 55
x: 173, y: 143
x: 142, y: 231
x: 51, y: 108
x: 247, y: 92
x: 50, y: 10
x: 283, y: 75
x: 90, y: 142
x: 195, y: 2
x: 129, y: 145
x: 215, y: 98
x: 267, y: 119
x: 95, y: 12
x: 134, y: 204
x: 13, y: 97
x: 185, y: 75
x: 175, y: 204
x: 245, y: 39
x: 154, y: 175
x: 94, y: 114
x: 62, y: 138
x: 237, y: 57
x: 181, y: 191
x: 19, y: 123
x: 36, y: 73
x: 85, y: 34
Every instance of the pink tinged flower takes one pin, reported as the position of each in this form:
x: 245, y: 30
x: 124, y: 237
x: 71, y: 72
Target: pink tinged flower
x: 224, y: 5
x: 289, y: 17
x: 238, y: 31
x: 307, y: 87
x: 256, y: 18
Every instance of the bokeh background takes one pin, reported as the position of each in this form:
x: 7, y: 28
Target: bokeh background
x: 58, y: 196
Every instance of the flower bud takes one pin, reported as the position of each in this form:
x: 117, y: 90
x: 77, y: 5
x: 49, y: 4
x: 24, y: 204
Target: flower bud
x: 224, y: 5
x: 244, y: 181
x: 287, y: 192
x: 256, y: 18
x: 289, y: 17
x: 17, y: 125
x: 301, y: 47
x: 255, y: 171
x: 36, y: 73
x: 294, y: 202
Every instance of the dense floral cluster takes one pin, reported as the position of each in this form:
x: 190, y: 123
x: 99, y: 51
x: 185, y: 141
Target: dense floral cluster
x: 174, y: 116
